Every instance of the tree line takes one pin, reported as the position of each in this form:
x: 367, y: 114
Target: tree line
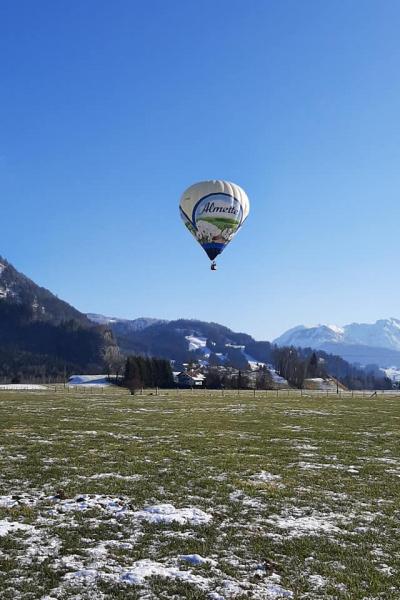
x: 298, y: 364
x: 143, y: 371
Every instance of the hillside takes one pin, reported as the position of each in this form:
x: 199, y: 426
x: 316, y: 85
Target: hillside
x: 42, y: 335
x: 185, y: 340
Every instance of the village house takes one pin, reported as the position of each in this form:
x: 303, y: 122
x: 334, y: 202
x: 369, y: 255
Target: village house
x: 189, y: 379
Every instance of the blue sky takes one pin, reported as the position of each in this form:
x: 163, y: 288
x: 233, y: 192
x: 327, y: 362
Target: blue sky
x: 109, y: 110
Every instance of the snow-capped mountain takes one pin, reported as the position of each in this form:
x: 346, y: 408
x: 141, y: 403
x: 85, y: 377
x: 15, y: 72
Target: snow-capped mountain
x: 311, y: 337
x: 385, y: 333
x: 364, y: 343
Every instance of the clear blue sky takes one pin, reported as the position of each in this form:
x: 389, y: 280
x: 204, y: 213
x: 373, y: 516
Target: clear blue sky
x: 108, y: 110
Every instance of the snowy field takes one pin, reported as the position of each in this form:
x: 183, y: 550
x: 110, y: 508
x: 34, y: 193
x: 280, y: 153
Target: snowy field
x: 107, y: 495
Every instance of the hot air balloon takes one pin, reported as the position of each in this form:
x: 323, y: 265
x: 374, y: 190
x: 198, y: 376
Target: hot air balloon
x: 214, y: 211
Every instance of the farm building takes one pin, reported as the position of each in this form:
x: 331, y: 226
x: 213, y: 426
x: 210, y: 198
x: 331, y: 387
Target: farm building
x: 189, y: 379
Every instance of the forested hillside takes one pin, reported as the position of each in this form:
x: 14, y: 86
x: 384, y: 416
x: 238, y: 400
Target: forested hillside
x: 41, y: 336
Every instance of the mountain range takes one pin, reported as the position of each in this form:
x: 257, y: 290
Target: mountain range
x: 362, y: 343
x: 185, y: 340
x: 39, y: 333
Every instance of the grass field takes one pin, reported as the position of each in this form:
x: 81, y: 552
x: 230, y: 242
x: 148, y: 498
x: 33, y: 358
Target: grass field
x: 199, y: 496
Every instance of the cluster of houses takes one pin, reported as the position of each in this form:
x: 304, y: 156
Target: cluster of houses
x: 196, y: 375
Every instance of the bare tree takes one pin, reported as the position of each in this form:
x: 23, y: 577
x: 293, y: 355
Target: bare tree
x: 114, y: 361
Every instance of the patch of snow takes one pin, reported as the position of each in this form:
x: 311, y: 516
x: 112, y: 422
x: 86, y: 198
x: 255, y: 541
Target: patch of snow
x: 253, y: 363
x: 275, y: 377
x: 308, y: 447
x: 336, y: 329
x: 319, y: 383
x: 392, y: 373
x: 16, y: 457
x: 83, y: 502
x: 304, y: 412
x: 86, y: 575
x: 386, y: 570
x: 352, y: 469
x: 300, y: 526
x: 142, y: 569
x: 265, y: 477
x: 12, y: 501
x: 269, y: 589
x: 7, y: 527
x: 38, y: 545
x: 239, y: 496
x: 317, y: 581
x: 196, y: 559
x: 198, y: 343
x: 167, y: 513
x: 22, y: 386
x: 113, y: 476
x: 89, y: 380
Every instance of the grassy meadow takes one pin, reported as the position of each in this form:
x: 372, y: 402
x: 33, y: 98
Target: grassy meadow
x: 198, y: 496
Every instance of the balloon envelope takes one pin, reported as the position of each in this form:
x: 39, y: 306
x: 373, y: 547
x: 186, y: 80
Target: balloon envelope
x: 214, y: 211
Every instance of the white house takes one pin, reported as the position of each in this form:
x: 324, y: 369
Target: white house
x: 186, y: 379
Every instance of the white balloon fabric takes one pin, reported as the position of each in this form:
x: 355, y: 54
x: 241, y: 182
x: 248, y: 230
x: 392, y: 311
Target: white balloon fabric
x: 214, y: 211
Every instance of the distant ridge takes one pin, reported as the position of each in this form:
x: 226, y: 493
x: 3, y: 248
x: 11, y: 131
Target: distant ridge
x: 361, y: 343
x: 209, y: 344
x: 128, y: 324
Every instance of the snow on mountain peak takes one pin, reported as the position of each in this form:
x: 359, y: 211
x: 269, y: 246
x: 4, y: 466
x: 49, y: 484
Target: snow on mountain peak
x: 336, y: 329
x: 384, y: 333
x: 311, y: 336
